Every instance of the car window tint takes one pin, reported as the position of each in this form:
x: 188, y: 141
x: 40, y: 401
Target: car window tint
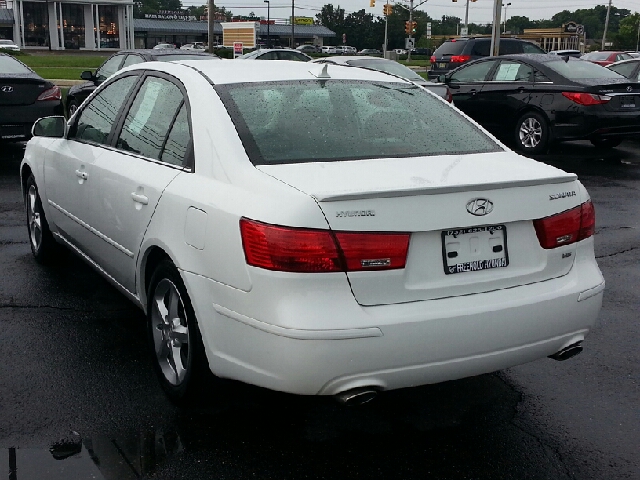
x: 268, y: 56
x: 179, y: 139
x: 450, y: 48
x: 509, y: 48
x: 108, y: 68
x: 509, y: 71
x: 528, y: 47
x: 476, y: 72
x: 319, y: 120
x: 481, y: 48
x: 97, y: 118
x: 625, y: 69
x: 149, y: 118
x: 132, y: 60
x: 538, y: 76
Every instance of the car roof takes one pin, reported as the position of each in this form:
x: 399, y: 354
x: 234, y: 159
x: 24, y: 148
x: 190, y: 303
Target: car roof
x: 535, y: 57
x: 229, y: 71
x: 160, y: 53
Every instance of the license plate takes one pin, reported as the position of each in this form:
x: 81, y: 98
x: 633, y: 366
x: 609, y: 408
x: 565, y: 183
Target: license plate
x: 474, y: 249
x: 627, y: 102
x: 442, y: 65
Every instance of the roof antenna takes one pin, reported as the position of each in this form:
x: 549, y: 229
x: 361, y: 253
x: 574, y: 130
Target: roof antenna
x: 323, y: 73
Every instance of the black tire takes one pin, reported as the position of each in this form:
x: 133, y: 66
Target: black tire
x: 605, y: 143
x: 72, y: 106
x: 43, y: 245
x: 532, y: 133
x: 174, y: 336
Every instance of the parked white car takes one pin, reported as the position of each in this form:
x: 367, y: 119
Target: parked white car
x: 279, y: 228
x: 328, y: 49
x: 9, y: 45
x: 194, y: 46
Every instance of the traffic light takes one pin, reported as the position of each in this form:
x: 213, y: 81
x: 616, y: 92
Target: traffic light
x: 407, y: 27
x: 372, y: 3
x: 414, y: 27
x: 387, y: 9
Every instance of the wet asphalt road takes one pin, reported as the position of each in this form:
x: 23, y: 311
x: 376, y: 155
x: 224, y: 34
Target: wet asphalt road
x: 78, y: 399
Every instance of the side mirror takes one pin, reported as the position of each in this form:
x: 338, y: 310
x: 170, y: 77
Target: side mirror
x: 54, y: 127
x: 87, y: 75
x: 442, y: 78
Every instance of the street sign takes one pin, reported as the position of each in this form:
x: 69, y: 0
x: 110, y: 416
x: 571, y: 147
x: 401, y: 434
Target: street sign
x: 237, y: 49
x: 428, y: 29
x: 409, y: 43
x: 464, y: 31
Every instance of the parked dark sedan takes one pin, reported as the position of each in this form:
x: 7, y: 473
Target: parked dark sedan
x: 24, y: 98
x: 122, y: 59
x: 627, y: 68
x: 532, y: 100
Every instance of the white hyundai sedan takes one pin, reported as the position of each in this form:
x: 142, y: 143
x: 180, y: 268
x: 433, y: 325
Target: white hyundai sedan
x: 313, y: 229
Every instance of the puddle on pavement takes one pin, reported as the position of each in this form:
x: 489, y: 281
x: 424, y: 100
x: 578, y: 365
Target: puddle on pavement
x: 98, y: 458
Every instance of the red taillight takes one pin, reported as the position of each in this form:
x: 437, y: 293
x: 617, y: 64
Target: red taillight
x: 433, y: 59
x: 587, y: 99
x: 306, y: 250
x: 567, y: 227
x: 449, y: 97
x: 53, y: 93
x: 460, y: 58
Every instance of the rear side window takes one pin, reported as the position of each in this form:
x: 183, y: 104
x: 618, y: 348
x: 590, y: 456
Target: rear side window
x: 324, y: 121
x: 108, y: 68
x: 510, y: 71
x: 509, y: 48
x: 528, y: 47
x: 476, y: 72
x: 450, y: 48
x: 481, y: 48
x: 625, y: 69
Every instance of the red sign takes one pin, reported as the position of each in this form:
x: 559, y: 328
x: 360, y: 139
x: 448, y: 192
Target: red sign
x: 265, y: 22
x: 237, y: 48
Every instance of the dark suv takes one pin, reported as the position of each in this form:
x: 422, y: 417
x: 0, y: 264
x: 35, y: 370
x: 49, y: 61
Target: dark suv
x: 455, y: 52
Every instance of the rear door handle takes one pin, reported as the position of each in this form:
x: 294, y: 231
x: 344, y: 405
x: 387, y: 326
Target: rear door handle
x: 138, y: 198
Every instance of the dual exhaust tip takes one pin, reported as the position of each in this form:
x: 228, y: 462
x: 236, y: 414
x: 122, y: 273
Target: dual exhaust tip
x: 359, y: 396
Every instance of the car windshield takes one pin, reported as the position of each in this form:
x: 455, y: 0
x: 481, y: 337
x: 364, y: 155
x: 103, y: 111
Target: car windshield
x: 387, y: 66
x: 578, y: 69
x: 9, y: 65
x: 333, y: 120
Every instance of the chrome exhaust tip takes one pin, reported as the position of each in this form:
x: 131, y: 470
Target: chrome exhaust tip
x: 356, y: 396
x: 567, y: 352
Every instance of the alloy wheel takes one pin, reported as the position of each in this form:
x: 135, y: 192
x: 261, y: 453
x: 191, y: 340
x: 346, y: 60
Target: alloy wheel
x: 170, y: 332
x: 34, y: 218
x: 530, y: 132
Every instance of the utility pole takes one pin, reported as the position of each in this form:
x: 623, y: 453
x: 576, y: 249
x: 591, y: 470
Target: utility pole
x: 386, y: 33
x: 495, y: 31
x: 606, y: 25
x: 410, y: 33
x: 210, y: 8
x: 466, y: 17
x: 293, y: 22
x: 638, y: 41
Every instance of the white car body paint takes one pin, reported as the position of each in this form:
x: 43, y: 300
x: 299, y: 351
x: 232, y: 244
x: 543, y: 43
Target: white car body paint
x: 326, y: 333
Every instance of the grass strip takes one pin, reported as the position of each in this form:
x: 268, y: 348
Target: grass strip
x: 82, y: 62
x: 59, y: 73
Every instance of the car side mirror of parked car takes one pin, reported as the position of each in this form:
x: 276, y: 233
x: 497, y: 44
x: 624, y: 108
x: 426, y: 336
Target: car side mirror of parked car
x: 54, y: 127
x: 87, y: 75
x: 442, y: 78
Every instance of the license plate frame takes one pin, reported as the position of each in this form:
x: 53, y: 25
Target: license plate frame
x: 482, y: 236
x: 628, y: 102
x: 442, y: 65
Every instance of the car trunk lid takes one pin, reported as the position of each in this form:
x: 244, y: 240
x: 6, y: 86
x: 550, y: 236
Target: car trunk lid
x: 452, y: 251
x: 21, y: 90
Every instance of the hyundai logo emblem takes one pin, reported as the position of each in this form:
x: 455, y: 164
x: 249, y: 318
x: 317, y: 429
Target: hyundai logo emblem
x: 629, y: 89
x: 480, y: 207
x: 6, y: 89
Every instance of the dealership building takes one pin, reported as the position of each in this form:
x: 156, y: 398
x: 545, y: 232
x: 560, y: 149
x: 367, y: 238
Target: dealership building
x: 109, y: 25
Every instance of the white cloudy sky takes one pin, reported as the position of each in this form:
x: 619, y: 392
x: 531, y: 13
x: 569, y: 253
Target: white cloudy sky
x: 479, y: 12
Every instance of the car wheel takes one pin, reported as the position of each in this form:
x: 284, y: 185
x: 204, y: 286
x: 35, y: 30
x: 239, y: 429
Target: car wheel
x: 41, y: 239
x: 174, y: 336
x: 72, y: 106
x: 605, y: 143
x: 532, y: 133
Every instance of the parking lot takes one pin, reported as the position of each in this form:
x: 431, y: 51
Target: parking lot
x: 79, y: 400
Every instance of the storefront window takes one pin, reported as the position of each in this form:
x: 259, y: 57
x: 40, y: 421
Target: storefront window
x: 109, y: 28
x: 73, y: 22
x: 36, y: 28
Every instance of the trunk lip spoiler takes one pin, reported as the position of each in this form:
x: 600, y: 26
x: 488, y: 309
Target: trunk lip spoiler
x: 470, y: 187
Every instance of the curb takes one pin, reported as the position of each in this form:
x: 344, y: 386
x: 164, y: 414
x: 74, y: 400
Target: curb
x: 65, y: 83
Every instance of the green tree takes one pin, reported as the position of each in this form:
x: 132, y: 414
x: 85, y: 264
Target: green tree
x: 627, y: 37
x: 332, y: 18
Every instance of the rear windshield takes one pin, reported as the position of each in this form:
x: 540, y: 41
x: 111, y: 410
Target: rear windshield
x: 11, y: 65
x: 596, y: 56
x: 387, y: 66
x: 450, y: 48
x: 333, y: 120
x: 182, y: 56
x: 578, y: 69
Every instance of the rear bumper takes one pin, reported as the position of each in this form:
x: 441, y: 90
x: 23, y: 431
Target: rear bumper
x: 604, y: 124
x: 16, y: 120
x: 399, y: 345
